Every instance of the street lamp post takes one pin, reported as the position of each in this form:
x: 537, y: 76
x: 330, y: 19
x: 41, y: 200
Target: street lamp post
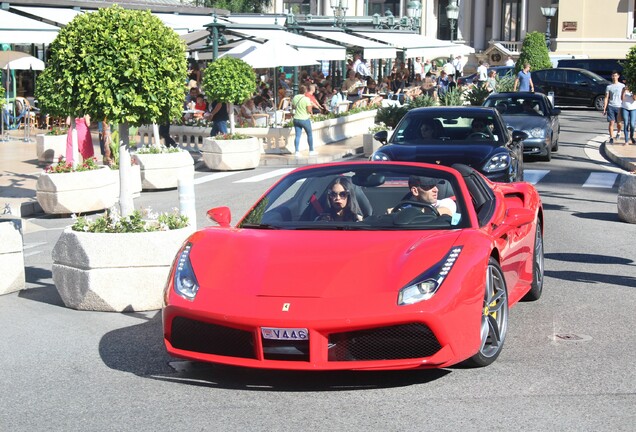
x: 339, y: 11
x: 452, y: 13
x: 414, y: 12
x: 548, y: 12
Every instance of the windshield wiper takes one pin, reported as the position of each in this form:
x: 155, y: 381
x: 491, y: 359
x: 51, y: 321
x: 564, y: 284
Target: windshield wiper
x: 260, y: 226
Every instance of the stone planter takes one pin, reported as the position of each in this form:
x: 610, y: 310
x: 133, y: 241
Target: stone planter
x: 76, y: 192
x: 626, y: 201
x: 115, y: 272
x: 163, y: 170
x: 135, y: 180
x: 49, y: 148
x: 11, y: 255
x: 231, y: 155
x: 369, y: 145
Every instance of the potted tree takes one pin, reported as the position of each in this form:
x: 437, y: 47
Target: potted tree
x: 128, y: 67
x: 232, y: 81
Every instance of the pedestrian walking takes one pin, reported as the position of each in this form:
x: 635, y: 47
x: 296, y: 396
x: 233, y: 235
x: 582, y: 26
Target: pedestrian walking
x: 302, y: 120
x: 629, y: 114
x: 219, y: 114
x: 491, y: 82
x: 84, y: 139
x: 482, y: 74
x: 524, y: 80
x: 613, y: 105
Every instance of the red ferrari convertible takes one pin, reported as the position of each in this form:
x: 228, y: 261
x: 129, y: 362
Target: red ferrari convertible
x: 362, y: 265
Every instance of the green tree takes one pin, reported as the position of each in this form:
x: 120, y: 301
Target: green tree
x: 253, y: 6
x: 117, y: 64
x: 629, y: 68
x: 534, y: 52
x: 229, y: 80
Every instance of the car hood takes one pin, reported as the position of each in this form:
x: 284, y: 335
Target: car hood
x: 525, y: 122
x: 475, y: 154
x: 312, y: 264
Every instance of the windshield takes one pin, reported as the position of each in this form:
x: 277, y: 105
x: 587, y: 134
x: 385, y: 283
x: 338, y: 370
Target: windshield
x: 517, y: 105
x: 363, y: 197
x: 436, y: 127
x: 594, y: 77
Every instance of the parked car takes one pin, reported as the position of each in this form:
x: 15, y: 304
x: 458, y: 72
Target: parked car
x: 475, y: 136
x: 399, y: 287
x: 502, y: 71
x: 601, y: 67
x: 533, y: 114
x: 571, y: 86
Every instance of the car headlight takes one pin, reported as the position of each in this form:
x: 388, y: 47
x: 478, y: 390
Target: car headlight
x: 379, y: 156
x: 498, y: 162
x: 185, y: 282
x: 426, y: 285
x: 535, y: 132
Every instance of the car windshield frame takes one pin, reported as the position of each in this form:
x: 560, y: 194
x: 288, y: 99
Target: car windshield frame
x: 299, y: 200
x: 448, y: 127
x: 513, y: 105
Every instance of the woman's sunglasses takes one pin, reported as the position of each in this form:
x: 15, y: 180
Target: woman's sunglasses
x: 342, y: 194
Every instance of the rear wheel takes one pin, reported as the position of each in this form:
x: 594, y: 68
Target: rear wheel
x: 494, y: 318
x: 599, y: 102
x: 537, y: 267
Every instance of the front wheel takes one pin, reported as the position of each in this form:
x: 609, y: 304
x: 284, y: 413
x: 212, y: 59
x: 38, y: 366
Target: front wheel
x: 599, y: 102
x: 494, y: 317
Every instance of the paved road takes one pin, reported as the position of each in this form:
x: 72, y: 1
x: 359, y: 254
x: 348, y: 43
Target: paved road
x: 567, y: 363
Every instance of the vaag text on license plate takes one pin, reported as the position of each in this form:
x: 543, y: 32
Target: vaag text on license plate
x: 285, y: 333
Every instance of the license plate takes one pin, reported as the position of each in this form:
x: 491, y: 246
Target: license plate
x: 285, y: 333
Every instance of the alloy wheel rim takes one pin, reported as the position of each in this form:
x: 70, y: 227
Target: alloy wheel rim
x: 494, y: 319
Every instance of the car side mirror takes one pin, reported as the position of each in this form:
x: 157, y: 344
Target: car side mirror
x: 381, y: 136
x: 518, y: 135
x: 221, y: 215
x: 556, y: 111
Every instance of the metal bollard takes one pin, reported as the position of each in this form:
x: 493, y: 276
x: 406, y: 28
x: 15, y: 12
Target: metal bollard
x: 186, y: 198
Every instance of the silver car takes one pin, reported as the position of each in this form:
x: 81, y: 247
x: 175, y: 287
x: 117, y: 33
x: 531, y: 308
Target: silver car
x: 533, y: 114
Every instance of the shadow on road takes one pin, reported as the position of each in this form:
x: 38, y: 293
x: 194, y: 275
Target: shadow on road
x: 40, y: 288
x: 139, y: 349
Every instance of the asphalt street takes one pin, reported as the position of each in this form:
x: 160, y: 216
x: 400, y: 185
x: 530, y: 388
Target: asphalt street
x: 567, y: 364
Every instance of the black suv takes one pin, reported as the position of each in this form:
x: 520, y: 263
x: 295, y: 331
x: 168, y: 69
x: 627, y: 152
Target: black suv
x: 571, y: 87
x: 602, y: 67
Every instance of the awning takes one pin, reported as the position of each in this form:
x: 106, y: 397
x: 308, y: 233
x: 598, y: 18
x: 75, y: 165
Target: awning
x: 316, y: 49
x: 370, y: 49
x: 55, y: 16
x: 16, y: 29
x: 183, y: 24
x: 415, y: 45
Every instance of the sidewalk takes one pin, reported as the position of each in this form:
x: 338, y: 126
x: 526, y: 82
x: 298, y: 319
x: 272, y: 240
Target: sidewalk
x: 19, y: 169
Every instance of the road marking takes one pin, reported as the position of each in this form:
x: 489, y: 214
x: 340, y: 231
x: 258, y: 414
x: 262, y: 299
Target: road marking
x: 600, y: 180
x: 214, y: 176
x: 32, y: 245
x: 28, y: 254
x: 534, y: 176
x: 275, y: 173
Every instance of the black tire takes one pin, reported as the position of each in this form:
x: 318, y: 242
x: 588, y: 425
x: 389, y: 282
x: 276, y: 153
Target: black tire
x: 494, y: 320
x: 555, y: 146
x: 547, y: 157
x: 536, y: 287
x: 599, y: 102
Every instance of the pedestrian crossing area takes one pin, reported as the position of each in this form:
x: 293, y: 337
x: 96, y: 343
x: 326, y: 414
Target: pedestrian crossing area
x: 600, y: 180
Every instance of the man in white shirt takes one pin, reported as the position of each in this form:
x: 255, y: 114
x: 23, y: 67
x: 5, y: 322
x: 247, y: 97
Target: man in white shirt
x: 417, y: 67
x: 458, y: 64
x: 356, y: 62
x: 363, y: 69
x: 482, y: 73
x: 510, y: 61
x: 613, y: 104
x: 448, y: 67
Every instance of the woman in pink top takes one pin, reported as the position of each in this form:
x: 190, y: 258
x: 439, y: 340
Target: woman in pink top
x: 84, y: 139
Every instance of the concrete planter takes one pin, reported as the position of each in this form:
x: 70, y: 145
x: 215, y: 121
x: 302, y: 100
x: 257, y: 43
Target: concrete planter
x: 163, y: 170
x: 49, y: 148
x: 135, y: 180
x: 231, y: 155
x: 626, y: 201
x: 115, y: 272
x: 11, y: 255
x: 76, y: 192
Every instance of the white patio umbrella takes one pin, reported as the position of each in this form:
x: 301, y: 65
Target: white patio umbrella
x: 272, y: 54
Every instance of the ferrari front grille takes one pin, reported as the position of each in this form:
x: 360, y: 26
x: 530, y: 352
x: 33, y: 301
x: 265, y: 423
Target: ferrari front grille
x: 405, y: 341
x: 197, y: 336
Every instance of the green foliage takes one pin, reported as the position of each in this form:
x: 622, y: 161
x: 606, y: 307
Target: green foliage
x: 452, y: 97
x: 477, y: 95
x: 229, y: 80
x: 422, y: 101
x: 248, y: 6
x: 112, y: 222
x: 391, y: 115
x: 534, y: 52
x: 2, y: 100
x: 505, y: 84
x: 122, y: 64
x: 629, y: 68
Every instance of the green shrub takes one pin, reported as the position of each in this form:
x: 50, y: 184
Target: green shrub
x: 505, y: 84
x: 477, y: 95
x: 391, y: 115
x: 451, y: 98
x: 629, y: 68
x: 422, y: 101
x: 534, y: 52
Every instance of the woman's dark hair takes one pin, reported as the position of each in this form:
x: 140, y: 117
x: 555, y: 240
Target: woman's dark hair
x: 352, y: 209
